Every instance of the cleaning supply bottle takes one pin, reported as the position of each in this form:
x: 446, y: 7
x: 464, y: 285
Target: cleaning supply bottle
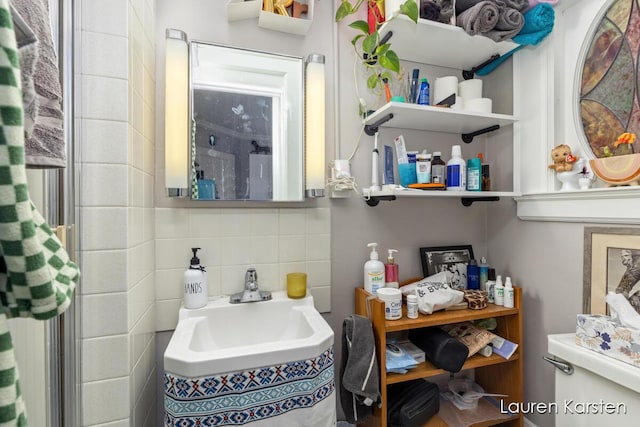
x: 474, y: 174
x: 423, y: 94
x: 437, y: 168
x: 473, y: 275
x: 456, y: 170
x: 483, y: 268
x: 373, y: 271
x: 498, y: 291
x: 508, y: 293
x: 391, y: 271
x: 196, y: 294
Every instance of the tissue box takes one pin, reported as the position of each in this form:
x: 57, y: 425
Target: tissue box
x: 599, y: 333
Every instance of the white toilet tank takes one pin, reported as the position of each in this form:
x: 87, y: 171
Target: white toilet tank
x: 601, y: 391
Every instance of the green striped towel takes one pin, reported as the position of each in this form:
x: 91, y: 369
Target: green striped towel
x: 37, y: 278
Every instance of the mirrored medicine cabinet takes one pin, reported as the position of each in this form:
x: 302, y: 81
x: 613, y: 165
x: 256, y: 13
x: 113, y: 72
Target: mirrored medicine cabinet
x: 247, y: 118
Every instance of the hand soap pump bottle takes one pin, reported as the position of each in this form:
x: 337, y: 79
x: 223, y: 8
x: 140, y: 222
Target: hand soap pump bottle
x: 373, y: 271
x: 391, y: 271
x: 195, y: 284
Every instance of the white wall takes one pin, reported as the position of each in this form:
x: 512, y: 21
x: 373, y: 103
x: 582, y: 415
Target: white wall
x: 115, y: 81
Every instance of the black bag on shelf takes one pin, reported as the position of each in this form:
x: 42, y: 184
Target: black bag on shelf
x: 412, y: 403
x: 440, y: 348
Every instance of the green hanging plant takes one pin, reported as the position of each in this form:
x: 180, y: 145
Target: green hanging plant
x: 379, y: 59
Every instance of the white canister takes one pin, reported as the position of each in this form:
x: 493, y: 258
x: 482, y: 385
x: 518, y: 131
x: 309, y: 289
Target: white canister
x: 412, y: 306
x: 392, y: 298
x: 479, y: 105
x: 470, y: 89
x: 444, y: 87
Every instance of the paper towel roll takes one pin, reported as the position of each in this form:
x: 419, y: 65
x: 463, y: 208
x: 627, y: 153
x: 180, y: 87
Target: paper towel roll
x: 470, y: 89
x: 478, y: 105
x: 444, y: 87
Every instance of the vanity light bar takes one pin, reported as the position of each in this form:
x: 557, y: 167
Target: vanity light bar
x: 176, y: 114
x: 315, y: 126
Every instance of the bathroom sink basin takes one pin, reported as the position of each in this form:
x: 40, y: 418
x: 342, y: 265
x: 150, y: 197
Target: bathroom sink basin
x: 223, y: 337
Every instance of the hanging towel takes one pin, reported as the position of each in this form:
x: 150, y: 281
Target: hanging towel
x: 446, y: 10
x: 510, y: 23
x: 538, y: 24
x: 534, y: 3
x: 429, y: 10
x: 36, y: 276
x: 479, y: 19
x: 44, y: 145
x: 359, y: 388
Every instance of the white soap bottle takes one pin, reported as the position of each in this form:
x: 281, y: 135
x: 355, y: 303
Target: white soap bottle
x: 373, y: 271
x: 508, y: 293
x: 195, y: 284
x: 498, y: 292
x: 456, y: 171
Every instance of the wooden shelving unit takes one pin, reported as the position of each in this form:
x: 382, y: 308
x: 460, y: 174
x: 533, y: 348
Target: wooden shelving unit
x: 495, y: 374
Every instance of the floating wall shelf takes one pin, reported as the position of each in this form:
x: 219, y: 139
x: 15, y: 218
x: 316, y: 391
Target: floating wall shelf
x: 373, y: 198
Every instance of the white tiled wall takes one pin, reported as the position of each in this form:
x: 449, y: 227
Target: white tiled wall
x: 116, y: 96
x: 273, y: 241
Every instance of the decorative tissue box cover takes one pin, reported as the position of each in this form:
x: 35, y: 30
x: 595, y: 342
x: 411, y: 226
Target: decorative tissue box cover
x: 600, y: 333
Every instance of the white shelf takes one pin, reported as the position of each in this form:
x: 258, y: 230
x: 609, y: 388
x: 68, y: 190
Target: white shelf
x: 440, y: 44
x: 436, y: 119
x: 411, y: 192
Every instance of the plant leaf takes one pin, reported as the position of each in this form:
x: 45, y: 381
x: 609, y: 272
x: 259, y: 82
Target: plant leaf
x: 356, y: 38
x: 361, y: 26
x: 390, y: 61
x: 343, y: 11
x: 382, y: 49
x: 370, y: 43
x: 372, y: 81
x: 410, y: 8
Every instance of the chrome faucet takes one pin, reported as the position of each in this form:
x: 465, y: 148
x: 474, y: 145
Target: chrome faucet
x: 251, y: 292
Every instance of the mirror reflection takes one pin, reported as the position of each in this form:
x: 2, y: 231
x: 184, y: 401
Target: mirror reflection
x: 247, y: 118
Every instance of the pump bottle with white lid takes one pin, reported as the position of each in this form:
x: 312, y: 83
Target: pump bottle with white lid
x: 499, y: 291
x: 391, y: 271
x: 508, y: 293
x: 196, y: 294
x: 373, y: 271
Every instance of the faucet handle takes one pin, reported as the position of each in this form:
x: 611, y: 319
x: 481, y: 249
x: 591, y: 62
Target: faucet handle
x: 251, y: 275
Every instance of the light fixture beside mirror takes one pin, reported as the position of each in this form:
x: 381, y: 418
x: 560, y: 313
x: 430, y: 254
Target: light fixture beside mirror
x: 243, y: 135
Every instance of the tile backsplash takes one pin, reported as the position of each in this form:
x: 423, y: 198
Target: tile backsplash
x: 273, y: 241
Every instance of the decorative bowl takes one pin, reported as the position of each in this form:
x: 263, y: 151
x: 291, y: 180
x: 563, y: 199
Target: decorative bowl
x: 617, y: 170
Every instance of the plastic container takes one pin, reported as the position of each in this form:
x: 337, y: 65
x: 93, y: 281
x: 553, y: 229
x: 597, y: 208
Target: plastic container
x: 474, y: 174
x: 484, y: 273
x: 407, y: 174
x: 438, y: 168
x: 423, y: 168
x: 391, y: 271
x: 473, y: 275
x: 196, y: 293
x: 392, y: 302
x: 373, y: 271
x: 412, y: 306
x: 423, y: 93
x: 508, y: 293
x: 499, y: 292
x: 296, y: 285
x: 456, y: 170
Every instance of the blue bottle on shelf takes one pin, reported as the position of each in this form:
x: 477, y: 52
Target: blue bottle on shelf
x: 423, y: 94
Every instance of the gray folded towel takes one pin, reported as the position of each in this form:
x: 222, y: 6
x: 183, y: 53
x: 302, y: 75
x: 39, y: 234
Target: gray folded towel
x: 446, y: 10
x: 518, y: 5
x: 462, y: 5
x: 45, y: 146
x: 359, y: 387
x: 479, y: 19
x: 510, y: 22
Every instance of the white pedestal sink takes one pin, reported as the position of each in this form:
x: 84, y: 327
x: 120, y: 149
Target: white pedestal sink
x: 260, y: 363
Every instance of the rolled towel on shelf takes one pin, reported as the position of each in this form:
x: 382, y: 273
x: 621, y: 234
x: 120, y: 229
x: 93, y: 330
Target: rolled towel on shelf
x: 519, y: 5
x: 446, y: 10
x: 510, y: 23
x: 534, y: 3
x: 538, y: 24
x: 462, y: 5
x: 429, y: 10
x: 480, y: 19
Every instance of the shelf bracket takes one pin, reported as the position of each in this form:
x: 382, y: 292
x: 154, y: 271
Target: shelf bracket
x: 468, y: 74
x: 468, y: 201
x: 374, y: 200
x: 468, y: 137
x: 373, y: 127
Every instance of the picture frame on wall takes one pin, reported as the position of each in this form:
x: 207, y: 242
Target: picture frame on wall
x: 611, y: 264
x: 451, y: 259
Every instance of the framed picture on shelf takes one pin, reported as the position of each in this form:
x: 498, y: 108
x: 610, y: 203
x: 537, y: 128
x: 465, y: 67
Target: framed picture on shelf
x: 611, y: 264
x: 452, y: 260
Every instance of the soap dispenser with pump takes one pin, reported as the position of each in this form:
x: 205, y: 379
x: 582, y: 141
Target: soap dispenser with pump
x: 195, y: 283
x: 391, y: 271
x: 373, y: 271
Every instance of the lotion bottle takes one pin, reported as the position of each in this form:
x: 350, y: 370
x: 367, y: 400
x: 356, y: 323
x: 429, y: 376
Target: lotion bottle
x: 391, y: 271
x: 373, y: 271
x: 484, y: 273
x: 499, y: 291
x: 508, y: 293
x: 196, y: 293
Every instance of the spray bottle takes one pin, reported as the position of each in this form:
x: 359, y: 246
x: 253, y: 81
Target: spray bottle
x: 484, y: 273
x: 508, y: 294
x: 196, y: 294
x: 391, y: 271
x: 499, y: 291
x: 373, y: 271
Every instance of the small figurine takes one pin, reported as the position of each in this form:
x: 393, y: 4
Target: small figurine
x: 562, y: 158
x: 624, y: 144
